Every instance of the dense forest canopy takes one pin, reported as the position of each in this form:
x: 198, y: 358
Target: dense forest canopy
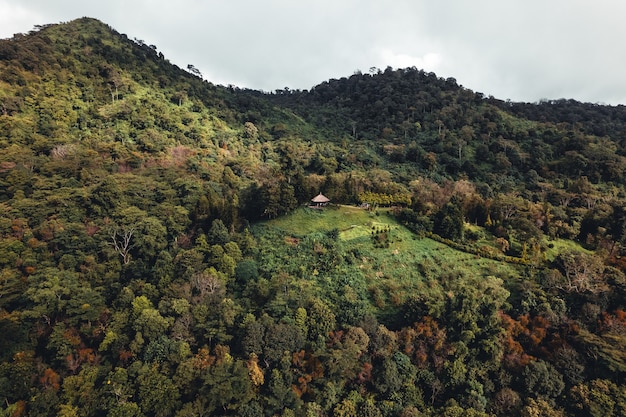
x: 157, y: 257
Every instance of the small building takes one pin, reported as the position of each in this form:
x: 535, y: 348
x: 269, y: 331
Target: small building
x: 319, y: 201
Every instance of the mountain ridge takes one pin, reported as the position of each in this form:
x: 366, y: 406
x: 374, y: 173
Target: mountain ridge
x: 158, y: 256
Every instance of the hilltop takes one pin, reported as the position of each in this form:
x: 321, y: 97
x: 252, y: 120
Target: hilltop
x: 157, y: 256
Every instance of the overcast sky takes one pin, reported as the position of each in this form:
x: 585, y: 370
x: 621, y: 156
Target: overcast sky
x: 522, y: 50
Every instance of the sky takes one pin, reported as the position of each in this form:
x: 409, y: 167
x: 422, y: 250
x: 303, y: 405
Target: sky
x: 518, y: 50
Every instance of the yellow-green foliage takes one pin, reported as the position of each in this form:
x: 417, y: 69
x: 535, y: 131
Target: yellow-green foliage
x: 382, y: 199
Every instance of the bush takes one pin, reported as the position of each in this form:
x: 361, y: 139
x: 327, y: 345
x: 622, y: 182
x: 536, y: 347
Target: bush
x: 474, y: 235
x: 246, y: 271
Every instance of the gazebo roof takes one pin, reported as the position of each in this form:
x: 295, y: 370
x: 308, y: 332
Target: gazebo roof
x: 320, y: 198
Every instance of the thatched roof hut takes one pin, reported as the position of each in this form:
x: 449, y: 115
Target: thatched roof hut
x: 320, y: 200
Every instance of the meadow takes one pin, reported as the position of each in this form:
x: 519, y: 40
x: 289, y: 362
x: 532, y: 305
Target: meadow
x: 393, y: 262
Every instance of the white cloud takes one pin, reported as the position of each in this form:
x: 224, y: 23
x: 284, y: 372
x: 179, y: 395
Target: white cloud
x: 428, y: 62
x: 16, y: 19
x: 517, y: 49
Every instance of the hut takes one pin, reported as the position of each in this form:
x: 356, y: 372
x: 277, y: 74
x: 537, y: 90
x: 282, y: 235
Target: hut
x: 319, y: 201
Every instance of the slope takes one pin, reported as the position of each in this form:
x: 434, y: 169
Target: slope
x: 154, y: 259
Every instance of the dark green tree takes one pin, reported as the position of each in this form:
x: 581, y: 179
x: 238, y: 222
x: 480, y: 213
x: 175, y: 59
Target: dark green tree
x: 541, y: 379
x: 448, y: 222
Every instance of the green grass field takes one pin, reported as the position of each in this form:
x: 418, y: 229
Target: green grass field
x: 351, y: 221
x: 556, y: 246
x: 405, y: 265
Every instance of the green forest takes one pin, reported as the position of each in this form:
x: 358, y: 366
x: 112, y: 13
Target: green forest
x: 159, y: 255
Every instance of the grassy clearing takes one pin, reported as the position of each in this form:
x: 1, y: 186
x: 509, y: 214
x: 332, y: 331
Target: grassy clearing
x: 403, y: 265
x: 557, y: 246
x: 352, y: 222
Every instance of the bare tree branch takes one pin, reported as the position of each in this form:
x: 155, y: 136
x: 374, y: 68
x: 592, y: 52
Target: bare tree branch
x: 121, y: 243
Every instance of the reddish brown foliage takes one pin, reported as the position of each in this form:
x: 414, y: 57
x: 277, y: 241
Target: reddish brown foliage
x: 91, y: 229
x: 184, y: 240
x: 366, y: 373
x: 335, y: 337
x: 72, y: 336
x: 529, y: 337
x: 426, y: 343
x: 514, y: 355
x: 7, y: 166
x: 18, y: 226
x: 309, y: 368
x: 20, y: 409
x: 618, y: 262
x: 202, y: 359
x: 125, y: 355
x: 84, y: 355
x: 615, y: 323
x: 50, y: 379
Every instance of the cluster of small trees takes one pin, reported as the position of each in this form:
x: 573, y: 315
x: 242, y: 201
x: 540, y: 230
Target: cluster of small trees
x: 384, y: 200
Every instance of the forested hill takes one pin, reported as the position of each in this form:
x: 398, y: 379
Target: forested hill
x: 469, y: 133
x: 157, y: 257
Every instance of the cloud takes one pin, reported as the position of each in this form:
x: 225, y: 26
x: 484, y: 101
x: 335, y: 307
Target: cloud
x: 15, y: 18
x: 522, y: 50
x: 429, y: 62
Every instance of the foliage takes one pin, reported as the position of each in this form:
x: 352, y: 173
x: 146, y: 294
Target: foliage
x: 156, y: 257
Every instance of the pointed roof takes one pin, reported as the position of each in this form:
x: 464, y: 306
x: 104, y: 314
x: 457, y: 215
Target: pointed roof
x: 320, y: 198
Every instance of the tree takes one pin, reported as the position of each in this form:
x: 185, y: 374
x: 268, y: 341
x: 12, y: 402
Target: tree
x: 540, y: 407
x: 121, y: 241
x: 80, y: 393
x: 320, y: 321
x: 281, y: 339
x: 106, y: 196
x: 125, y: 409
x: 449, y: 222
x: 157, y: 392
x: 506, y: 402
x: 571, y: 364
x: 466, y: 135
x: 581, y: 273
x: 388, y: 379
x: 61, y: 294
x: 251, y: 131
x: 135, y: 234
x: 599, y: 397
x: 247, y: 270
x: 256, y: 373
x: 253, y: 335
x: 542, y: 380
x: 369, y: 409
x: 218, y: 233
x: 346, y: 408
x: 149, y: 320
x: 226, y: 385
x: 345, y: 356
x: 195, y: 71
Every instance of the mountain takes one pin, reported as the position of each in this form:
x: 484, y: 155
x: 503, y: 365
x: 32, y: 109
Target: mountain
x: 157, y: 256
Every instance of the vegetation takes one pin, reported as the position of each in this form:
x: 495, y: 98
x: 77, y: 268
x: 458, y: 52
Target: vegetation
x: 157, y: 257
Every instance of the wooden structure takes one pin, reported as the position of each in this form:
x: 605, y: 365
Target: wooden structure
x: 319, y: 201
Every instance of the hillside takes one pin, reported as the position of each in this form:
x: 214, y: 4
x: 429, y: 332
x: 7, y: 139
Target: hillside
x: 157, y: 257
